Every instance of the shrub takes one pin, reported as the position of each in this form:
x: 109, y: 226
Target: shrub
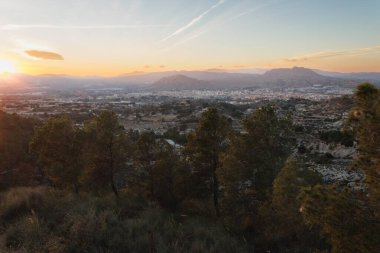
x: 20, y: 201
x: 46, y: 220
x: 26, y: 234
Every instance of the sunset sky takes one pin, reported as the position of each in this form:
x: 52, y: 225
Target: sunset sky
x: 113, y: 37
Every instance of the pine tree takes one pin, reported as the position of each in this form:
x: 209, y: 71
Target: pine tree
x: 253, y: 160
x: 57, y: 147
x: 104, y: 151
x: 348, y: 218
x: 342, y: 217
x: 365, y: 119
x: 145, y: 154
x: 16, y: 164
x: 281, y: 221
x: 203, y: 150
x: 165, y: 179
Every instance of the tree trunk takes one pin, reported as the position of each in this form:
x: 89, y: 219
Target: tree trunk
x: 76, y: 188
x: 216, y: 197
x: 114, y: 189
x: 215, y: 187
x: 111, y: 157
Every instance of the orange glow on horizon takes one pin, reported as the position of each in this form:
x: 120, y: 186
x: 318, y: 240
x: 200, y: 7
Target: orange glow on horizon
x: 85, y: 68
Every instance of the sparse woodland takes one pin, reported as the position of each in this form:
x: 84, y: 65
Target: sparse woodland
x: 98, y: 187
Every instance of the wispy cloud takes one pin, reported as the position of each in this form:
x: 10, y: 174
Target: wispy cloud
x: 218, y: 24
x: 194, y: 20
x: 44, y: 55
x: 252, y: 10
x: 192, y: 37
x: 79, y: 27
x: 334, y: 53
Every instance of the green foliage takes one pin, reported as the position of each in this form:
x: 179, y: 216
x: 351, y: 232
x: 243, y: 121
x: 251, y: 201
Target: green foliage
x: 158, y: 173
x: 145, y: 154
x: 57, y: 146
x: 341, y: 215
x: 253, y: 160
x: 268, y: 136
x: 290, y: 180
x: 91, y: 224
x: 167, y: 179
x: 104, y: 152
x: 345, y: 138
x: 26, y: 235
x: 153, y: 231
x: 20, y: 201
x: 280, y: 222
x: 348, y: 218
x: 175, y: 135
x: 203, y: 151
x: 365, y: 120
x: 16, y: 166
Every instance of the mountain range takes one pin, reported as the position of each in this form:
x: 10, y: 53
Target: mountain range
x: 188, y: 80
x: 276, y: 78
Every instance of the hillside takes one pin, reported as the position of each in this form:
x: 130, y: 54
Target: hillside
x: 296, y: 77
x: 179, y: 82
x: 291, y: 74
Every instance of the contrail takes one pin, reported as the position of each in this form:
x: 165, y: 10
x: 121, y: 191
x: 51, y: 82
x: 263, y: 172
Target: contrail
x: 183, y: 41
x: 194, y: 21
x: 244, y: 13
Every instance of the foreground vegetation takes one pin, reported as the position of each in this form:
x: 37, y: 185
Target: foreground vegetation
x: 100, y: 188
x: 46, y: 220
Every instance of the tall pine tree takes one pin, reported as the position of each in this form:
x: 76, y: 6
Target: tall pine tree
x: 57, y: 146
x: 204, y: 149
x: 104, y: 151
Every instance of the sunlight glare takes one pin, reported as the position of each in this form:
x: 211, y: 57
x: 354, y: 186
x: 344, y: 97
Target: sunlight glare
x: 7, y: 67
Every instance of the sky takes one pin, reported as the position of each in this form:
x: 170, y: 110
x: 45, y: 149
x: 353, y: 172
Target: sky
x: 115, y: 37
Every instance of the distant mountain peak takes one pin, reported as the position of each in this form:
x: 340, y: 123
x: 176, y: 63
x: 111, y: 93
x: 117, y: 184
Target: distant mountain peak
x: 295, y: 72
x: 179, y: 82
x: 177, y: 78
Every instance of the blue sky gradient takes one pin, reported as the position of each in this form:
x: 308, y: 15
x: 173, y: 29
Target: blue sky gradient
x: 111, y: 37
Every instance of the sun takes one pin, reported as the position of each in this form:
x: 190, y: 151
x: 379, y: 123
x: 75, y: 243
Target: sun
x: 7, y: 67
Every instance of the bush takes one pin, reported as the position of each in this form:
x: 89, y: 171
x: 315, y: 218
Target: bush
x: 94, y: 232
x: 20, y: 201
x: 46, y: 220
x: 152, y: 231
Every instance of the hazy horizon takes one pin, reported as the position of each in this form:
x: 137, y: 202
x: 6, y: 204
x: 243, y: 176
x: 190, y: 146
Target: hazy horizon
x: 253, y: 71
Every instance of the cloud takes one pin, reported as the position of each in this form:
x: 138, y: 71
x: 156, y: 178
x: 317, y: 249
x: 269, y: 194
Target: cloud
x: 194, y: 20
x: 252, y: 10
x: 184, y: 41
x: 147, y: 66
x: 45, y: 55
x: 218, y: 24
x: 79, y: 27
x: 334, y: 53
